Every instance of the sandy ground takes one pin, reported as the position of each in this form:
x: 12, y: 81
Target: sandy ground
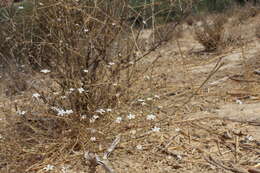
x: 212, y: 121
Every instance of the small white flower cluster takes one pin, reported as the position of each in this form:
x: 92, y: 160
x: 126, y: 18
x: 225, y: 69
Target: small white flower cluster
x: 239, y: 102
x: 20, y: 7
x: 249, y: 138
x: 80, y: 90
x: 142, y: 102
x: 156, y: 97
x: 131, y: 116
x: 62, y: 112
x: 45, y: 71
x: 36, y: 95
x: 139, y: 147
x: 118, y: 120
x: 150, y: 117
x: 65, y: 168
x: 149, y: 99
x: 111, y: 64
x: 156, y: 129
x: 83, y: 117
x: 102, y: 111
x: 93, y: 139
x: 48, y: 168
x: 94, y: 118
x: 19, y: 112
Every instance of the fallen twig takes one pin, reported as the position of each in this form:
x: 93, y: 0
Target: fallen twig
x: 217, y: 163
x: 94, y: 160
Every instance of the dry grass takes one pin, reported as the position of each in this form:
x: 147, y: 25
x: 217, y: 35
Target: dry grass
x: 97, y: 70
x: 75, y: 62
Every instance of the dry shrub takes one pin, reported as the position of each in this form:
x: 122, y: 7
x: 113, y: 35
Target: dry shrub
x: 91, y: 57
x: 217, y: 33
x: 88, y: 51
x: 245, y: 13
x: 209, y: 34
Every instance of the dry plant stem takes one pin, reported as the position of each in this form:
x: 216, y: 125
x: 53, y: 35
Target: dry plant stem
x: 94, y: 160
x: 217, y: 163
x: 213, y: 71
x: 183, y: 62
x: 236, y: 148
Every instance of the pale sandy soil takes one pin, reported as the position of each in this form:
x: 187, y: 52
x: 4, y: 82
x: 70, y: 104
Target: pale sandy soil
x: 176, y: 76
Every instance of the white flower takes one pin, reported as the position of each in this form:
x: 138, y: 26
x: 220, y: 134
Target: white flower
x: 111, y: 63
x: 65, y: 168
x: 150, y: 117
x: 92, y: 120
x: 36, y: 95
x: 63, y: 97
x: 113, y: 24
x: 86, y: 30
x: 55, y: 108
x: 21, y: 7
x: 179, y: 157
x: 177, y: 129
x: 109, y: 110
x: 156, y: 129
x: 85, y: 71
x: 131, y: 116
x: 119, y: 119
x: 55, y: 93
x: 239, y: 102
x: 82, y: 117
x: 40, y: 3
x: 249, y: 138
x: 81, y: 90
x: 72, y: 89
x: 156, y: 96
x: 93, y: 139
x: 140, y: 100
x: 95, y: 117
x: 62, y: 112
x: 45, y: 71
x: 149, y: 99
x: 48, y: 168
x: 139, y: 147
x: 19, y: 112
x: 69, y: 111
x: 143, y: 103
x: 101, y: 111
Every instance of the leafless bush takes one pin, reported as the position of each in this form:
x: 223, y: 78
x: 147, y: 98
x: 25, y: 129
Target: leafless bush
x: 210, y: 33
x: 87, y: 52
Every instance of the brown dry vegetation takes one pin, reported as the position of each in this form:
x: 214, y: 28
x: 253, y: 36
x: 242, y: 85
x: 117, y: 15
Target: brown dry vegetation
x: 201, y: 83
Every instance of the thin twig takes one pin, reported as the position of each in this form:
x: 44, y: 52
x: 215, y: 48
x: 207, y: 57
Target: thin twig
x: 217, y: 163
